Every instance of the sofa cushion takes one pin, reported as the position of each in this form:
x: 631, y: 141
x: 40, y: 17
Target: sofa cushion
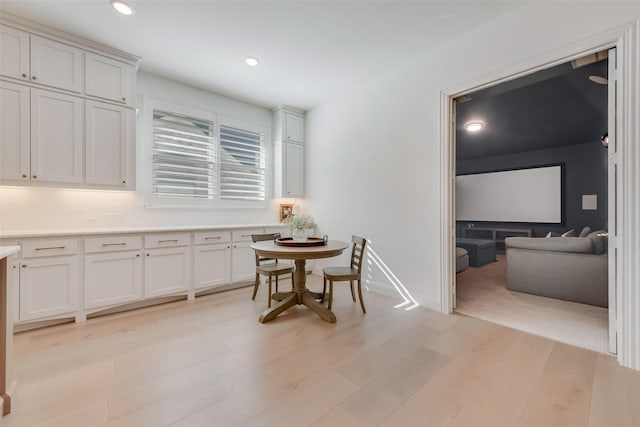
x: 569, y: 233
x: 599, y: 241
x: 585, y: 232
x: 578, y: 245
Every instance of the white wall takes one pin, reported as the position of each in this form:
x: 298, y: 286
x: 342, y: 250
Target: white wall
x: 25, y: 209
x: 380, y: 141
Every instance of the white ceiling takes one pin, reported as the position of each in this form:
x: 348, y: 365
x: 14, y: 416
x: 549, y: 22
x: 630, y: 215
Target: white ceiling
x: 309, y: 50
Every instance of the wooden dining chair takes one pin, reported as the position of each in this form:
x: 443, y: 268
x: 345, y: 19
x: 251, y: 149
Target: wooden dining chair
x: 350, y: 273
x: 269, y: 266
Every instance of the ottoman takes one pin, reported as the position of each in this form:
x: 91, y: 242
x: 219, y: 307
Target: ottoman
x: 480, y: 251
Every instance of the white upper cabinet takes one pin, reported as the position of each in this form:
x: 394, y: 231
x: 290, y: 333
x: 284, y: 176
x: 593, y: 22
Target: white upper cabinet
x: 288, y: 153
x: 56, y: 137
x: 293, y: 179
x: 56, y: 64
x: 288, y: 124
x: 109, y: 79
x: 67, y: 110
x: 110, y: 134
x: 293, y: 127
x: 14, y: 53
x: 14, y: 132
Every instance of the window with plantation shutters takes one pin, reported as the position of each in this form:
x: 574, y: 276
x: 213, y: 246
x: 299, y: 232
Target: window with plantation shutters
x: 200, y: 159
x: 184, y: 156
x: 242, y: 164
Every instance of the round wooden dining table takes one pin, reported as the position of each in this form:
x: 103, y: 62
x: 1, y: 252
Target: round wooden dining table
x: 300, y: 293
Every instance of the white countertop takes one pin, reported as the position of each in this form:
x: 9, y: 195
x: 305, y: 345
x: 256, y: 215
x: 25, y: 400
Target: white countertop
x: 117, y: 230
x: 5, y: 251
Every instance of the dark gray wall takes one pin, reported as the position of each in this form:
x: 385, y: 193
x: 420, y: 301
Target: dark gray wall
x: 585, y: 172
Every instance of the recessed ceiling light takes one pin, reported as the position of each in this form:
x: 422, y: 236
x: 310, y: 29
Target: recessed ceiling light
x: 598, y: 79
x: 122, y: 7
x: 251, y: 61
x: 474, y: 126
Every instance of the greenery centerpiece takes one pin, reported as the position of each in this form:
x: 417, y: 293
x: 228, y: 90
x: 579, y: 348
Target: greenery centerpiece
x: 299, y: 226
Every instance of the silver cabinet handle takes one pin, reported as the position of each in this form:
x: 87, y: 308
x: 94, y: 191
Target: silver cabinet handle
x: 50, y: 248
x: 114, y: 244
x: 168, y: 241
x: 212, y: 238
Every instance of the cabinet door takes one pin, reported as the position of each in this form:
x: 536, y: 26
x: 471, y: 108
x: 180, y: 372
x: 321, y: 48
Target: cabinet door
x: 167, y: 271
x: 56, y: 137
x: 48, y: 286
x: 112, y: 278
x: 14, y: 131
x: 108, y: 79
x: 13, y: 287
x: 56, y: 64
x: 211, y: 265
x: 109, y: 134
x: 14, y: 53
x: 243, y: 261
x: 293, y: 127
x: 294, y: 170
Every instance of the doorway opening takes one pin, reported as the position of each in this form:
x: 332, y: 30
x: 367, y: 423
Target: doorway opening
x: 531, y: 202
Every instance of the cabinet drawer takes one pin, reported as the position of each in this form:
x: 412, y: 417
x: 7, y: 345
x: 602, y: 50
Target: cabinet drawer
x: 49, y: 247
x: 111, y: 244
x: 211, y: 237
x: 245, y: 235
x: 167, y: 240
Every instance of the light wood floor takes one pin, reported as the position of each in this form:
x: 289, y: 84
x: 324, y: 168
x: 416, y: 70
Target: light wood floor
x: 482, y: 292
x: 209, y: 362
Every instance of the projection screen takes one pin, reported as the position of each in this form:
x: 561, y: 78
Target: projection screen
x: 523, y: 195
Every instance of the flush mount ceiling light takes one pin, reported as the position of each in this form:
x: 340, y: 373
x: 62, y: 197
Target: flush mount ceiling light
x: 251, y: 61
x: 122, y: 7
x: 474, y: 126
x: 598, y: 79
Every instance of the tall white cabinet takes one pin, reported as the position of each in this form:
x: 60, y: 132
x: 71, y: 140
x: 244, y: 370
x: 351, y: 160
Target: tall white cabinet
x: 68, y: 111
x: 289, y: 153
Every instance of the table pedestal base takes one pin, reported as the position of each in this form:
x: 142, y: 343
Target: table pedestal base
x: 299, y: 295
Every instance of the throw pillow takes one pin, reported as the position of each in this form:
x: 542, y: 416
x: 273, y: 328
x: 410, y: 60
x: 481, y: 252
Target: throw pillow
x: 599, y: 240
x: 585, y: 232
x: 569, y: 233
x: 548, y: 234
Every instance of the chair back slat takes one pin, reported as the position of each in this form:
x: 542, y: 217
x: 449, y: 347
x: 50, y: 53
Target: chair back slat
x: 262, y: 238
x: 357, y: 253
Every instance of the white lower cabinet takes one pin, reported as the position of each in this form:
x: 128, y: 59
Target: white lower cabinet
x: 112, y: 278
x: 211, y: 259
x: 63, y: 277
x: 167, y: 271
x: 211, y: 265
x: 243, y: 258
x: 112, y: 270
x: 48, y: 286
x: 13, y: 291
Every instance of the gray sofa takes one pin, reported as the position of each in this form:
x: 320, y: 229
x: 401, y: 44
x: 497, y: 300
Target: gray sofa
x: 568, y: 268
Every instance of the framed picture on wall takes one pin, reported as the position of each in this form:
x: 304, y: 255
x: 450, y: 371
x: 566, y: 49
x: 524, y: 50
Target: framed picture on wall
x: 286, y: 210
